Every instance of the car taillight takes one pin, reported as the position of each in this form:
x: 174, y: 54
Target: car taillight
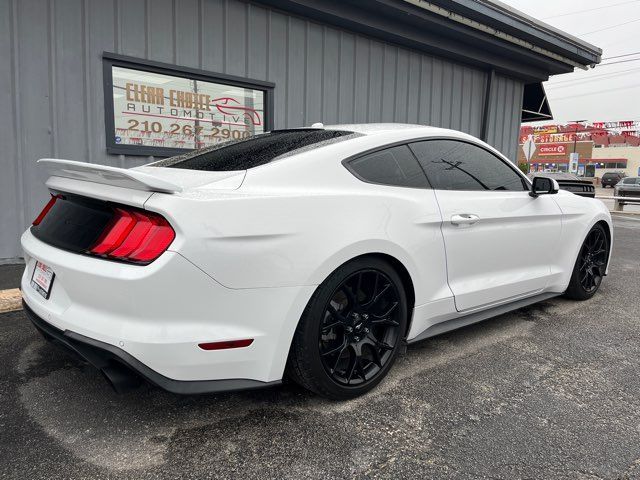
x: 134, y: 236
x: 46, y: 209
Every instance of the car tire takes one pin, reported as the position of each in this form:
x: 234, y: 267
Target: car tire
x: 590, y: 265
x: 351, y: 331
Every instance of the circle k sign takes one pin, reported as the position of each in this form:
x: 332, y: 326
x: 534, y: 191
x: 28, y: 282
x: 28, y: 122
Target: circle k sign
x: 552, y: 149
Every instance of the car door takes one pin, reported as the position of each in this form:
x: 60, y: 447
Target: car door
x: 499, y: 240
x: 405, y: 211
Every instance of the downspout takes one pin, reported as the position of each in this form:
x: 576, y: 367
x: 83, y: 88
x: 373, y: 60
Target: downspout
x: 488, y: 98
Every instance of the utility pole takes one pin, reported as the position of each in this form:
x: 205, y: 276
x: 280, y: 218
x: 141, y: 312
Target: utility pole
x: 575, y: 133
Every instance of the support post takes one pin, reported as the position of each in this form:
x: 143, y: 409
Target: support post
x: 617, y: 205
x: 488, y: 97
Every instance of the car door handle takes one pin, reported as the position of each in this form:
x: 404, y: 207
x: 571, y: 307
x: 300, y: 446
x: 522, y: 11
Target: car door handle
x: 464, y: 219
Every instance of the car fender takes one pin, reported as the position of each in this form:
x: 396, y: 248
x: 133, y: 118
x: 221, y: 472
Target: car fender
x: 332, y: 263
x: 298, y: 240
x: 365, y: 247
x: 579, y: 215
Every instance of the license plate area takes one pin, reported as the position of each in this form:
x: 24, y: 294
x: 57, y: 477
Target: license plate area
x: 42, y: 279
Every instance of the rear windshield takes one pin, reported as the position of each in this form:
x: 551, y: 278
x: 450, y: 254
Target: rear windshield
x: 254, y: 151
x: 607, y: 175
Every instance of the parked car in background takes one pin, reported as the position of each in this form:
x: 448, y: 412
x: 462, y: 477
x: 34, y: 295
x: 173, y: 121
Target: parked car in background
x: 628, y: 187
x: 610, y: 179
x: 569, y: 182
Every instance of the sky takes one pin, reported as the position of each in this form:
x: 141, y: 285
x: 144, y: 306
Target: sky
x: 604, y: 93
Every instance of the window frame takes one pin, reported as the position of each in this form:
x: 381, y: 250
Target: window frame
x: 346, y: 163
x: 110, y: 60
x: 526, y: 183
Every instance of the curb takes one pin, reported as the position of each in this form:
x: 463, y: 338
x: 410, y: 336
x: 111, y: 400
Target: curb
x: 10, y: 300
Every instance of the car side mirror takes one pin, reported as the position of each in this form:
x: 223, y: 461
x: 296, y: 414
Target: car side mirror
x: 544, y: 186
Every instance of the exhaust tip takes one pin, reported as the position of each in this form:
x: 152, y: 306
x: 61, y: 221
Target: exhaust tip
x: 121, y: 378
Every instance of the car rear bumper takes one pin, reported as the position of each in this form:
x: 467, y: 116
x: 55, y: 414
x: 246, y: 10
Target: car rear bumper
x: 123, y: 371
x: 158, y: 314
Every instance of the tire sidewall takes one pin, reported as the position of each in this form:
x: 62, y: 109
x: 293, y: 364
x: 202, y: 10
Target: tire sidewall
x: 576, y: 290
x: 315, y: 315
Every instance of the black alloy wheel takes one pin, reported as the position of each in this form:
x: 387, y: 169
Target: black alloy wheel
x: 351, y: 330
x: 590, y: 266
x: 359, y: 330
x: 593, y: 260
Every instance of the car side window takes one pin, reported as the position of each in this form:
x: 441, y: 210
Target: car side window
x: 454, y: 165
x: 395, y: 166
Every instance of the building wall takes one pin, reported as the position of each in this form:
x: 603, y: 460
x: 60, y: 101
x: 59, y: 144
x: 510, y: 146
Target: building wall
x: 631, y: 154
x: 51, y: 91
x: 505, y: 112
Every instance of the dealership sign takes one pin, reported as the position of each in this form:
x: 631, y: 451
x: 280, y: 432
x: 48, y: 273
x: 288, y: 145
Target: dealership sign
x: 152, y: 109
x: 552, y: 150
x: 155, y: 109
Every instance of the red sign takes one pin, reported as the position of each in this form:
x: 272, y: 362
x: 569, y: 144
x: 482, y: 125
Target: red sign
x: 552, y: 150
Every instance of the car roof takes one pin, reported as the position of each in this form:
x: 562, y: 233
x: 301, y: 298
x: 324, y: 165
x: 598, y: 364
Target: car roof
x: 323, y: 164
x: 384, y: 128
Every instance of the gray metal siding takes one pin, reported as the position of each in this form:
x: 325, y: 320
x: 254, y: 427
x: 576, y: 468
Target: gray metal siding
x: 51, y: 93
x: 504, y: 115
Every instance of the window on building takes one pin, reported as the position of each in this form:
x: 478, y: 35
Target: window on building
x: 394, y: 166
x: 158, y: 109
x: 454, y: 165
x: 611, y: 165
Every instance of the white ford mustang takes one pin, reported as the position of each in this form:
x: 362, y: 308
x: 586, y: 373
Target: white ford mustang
x: 312, y: 253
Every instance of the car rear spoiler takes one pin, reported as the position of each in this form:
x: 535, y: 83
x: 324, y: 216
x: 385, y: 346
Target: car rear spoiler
x: 119, y: 177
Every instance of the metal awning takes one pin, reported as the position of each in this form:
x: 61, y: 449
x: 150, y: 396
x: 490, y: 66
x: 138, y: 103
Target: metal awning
x: 535, y: 105
x: 482, y: 33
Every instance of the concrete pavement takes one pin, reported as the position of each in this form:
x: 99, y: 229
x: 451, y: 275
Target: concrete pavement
x: 550, y: 391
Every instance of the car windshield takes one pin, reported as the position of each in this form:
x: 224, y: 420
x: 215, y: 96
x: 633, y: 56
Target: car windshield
x: 254, y: 151
x: 631, y: 181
